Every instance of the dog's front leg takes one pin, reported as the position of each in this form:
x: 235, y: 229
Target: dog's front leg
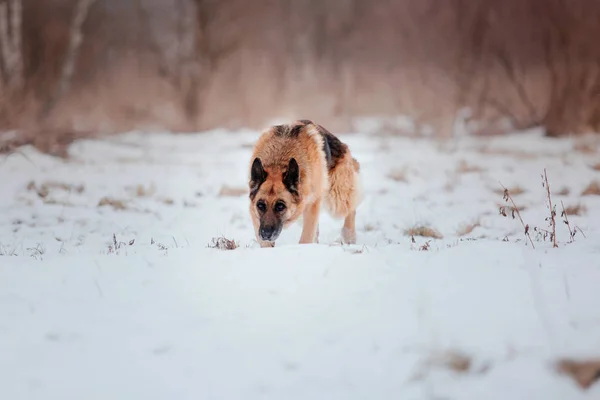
x: 349, y: 229
x: 311, y: 223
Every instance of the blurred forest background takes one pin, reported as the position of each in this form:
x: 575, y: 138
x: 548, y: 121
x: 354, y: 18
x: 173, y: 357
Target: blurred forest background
x: 72, y: 68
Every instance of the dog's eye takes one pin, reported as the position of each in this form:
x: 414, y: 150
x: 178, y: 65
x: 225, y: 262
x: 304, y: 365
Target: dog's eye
x: 261, y: 206
x: 279, y: 206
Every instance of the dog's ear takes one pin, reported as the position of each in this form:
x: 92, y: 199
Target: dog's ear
x: 291, y: 177
x: 257, y: 176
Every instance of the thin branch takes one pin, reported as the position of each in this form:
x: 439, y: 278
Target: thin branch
x: 68, y: 67
x: 552, y: 211
x: 16, y: 28
x: 10, y: 43
x: 507, y: 65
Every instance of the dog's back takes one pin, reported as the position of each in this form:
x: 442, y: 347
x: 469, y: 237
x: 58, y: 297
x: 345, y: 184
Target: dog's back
x: 302, y: 142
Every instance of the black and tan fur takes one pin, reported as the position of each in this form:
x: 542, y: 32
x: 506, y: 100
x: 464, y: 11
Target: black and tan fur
x: 296, y: 169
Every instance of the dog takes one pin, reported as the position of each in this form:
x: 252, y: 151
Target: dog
x: 296, y: 170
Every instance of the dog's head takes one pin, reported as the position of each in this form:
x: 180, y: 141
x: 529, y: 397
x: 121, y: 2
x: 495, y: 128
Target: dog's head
x: 274, y: 197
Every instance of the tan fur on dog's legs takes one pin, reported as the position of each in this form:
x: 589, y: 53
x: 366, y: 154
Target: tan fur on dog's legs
x: 349, y: 230
x: 311, y: 223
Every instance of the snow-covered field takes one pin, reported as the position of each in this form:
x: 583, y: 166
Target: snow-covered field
x: 162, y: 315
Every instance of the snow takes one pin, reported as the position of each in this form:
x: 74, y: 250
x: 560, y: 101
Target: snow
x: 162, y: 315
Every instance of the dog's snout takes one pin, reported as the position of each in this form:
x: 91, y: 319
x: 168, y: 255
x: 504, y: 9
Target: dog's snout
x: 268, y: 232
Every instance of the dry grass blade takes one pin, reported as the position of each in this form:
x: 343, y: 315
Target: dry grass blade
x: 566, y: 221
x: 507, y: 197
x: 514, y: 191
x: 585, y: 373
x: 552, y: 210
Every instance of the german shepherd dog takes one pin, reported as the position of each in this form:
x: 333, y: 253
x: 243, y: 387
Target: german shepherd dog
x: 295, y: 170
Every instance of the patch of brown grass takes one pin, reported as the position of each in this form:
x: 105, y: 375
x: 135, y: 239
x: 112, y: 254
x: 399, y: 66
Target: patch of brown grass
x: 167, y: 201
x: 586, y: 148
x: 142, y: 191
x: 424, y: 231
x: 593, y: 189
x: 466, y: 229
x: 576, y: 209
x: 585, y: 373
x: 114, y: 203
x: 517, y: 154
x: 398, y: 175
x: 464, y: 167
x: 370, y: 227
x: 595, y: 167
x: 222, y: 243
x: 229, y: 191
x: 451, y: 183
x: 455, y: 361
x: 49, y: 140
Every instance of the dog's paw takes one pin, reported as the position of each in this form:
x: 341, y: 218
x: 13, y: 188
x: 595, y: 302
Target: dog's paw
x: 348, y: 236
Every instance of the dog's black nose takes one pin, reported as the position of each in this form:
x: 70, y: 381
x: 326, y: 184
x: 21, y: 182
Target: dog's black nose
x: 267, y: 232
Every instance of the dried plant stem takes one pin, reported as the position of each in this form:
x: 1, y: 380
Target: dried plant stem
x: 564, y: 214
x: 508, y: 197
x: 582, y: 232
x: 552, y: 212
x: 68, y: 66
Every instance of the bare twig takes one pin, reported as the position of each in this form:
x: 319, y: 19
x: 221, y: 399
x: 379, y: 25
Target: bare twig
x: 509, y: 68
x: 10, y: 42
x: 508, y: 197
x: 68, y: 66
x: 552, y: 210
